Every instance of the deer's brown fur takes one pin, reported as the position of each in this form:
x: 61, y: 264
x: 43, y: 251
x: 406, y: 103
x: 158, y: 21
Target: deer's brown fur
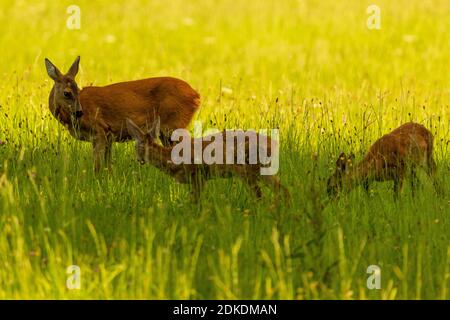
x: 149, y: 151
x: 98, y: 114
x: 392, y: 157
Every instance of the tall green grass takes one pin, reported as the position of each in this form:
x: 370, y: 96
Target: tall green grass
x: 310, y: 68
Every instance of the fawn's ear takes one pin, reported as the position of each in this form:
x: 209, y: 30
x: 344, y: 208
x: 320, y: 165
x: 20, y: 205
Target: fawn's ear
x: 155, y: 130
x: 341, y: 162
x: 135, y: 131
x: 74, y: 68
x: 351, y: 158
x: 52, y: 70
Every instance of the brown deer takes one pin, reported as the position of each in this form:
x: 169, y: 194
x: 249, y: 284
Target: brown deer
x: 392, y: 157
x: 149, y: 151
x: 98, y: 114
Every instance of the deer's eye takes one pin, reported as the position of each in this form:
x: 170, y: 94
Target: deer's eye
x: 67, y: 95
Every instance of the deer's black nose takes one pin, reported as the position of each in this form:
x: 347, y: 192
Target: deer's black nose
x: 78, y: 114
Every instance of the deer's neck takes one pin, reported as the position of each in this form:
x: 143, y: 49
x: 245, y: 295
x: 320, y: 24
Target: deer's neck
x: 160, y: 157
x: 56, y: 111
x: 357, y: 175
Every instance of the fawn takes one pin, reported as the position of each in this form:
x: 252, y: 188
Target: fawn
x: 392, y: 157
x: 98, y: 114
x: 149, y: 151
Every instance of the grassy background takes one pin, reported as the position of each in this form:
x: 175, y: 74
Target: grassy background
x: 311, y: 68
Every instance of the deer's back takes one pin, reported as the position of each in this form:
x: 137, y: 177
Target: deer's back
x: 237, y: 145
x: 236, y: 142
x: 173, y: 100
x: 410, y: 142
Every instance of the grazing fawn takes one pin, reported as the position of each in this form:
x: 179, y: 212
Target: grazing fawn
x: 392, y: 157
x: 98, y: 114
x: 149, y: 151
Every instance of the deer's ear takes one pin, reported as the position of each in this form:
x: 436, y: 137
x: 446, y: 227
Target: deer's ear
x: 155, y: 130
x: 135, y: 131
x: 52, y: 70
x: 74, y: 68
x: 351, y: 157
x: 341, y: 161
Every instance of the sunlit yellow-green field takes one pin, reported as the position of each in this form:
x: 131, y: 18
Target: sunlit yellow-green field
x: 313, y: 69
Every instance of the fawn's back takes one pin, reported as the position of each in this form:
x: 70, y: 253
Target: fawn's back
x: 410, y: 143
x: 229, y: 152
x: 239, y: 147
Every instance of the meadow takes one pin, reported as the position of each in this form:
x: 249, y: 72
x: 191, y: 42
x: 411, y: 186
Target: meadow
x: 311, y: 68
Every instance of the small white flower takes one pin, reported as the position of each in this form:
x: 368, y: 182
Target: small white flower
x: 209, y: 40
x: 110, y: 38
x: 409, y: 38
x: 188, y: 21
x: 84, y: 37
x: 227, y: 91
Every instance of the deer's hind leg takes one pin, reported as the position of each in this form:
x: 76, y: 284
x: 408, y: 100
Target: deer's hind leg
x: 197, y: 184
x: 398, y: 186
x: 248, y: 178
x: 275, y: 184
x: 431, y: 171
x: 99, y: 144
x: 414, y: 181
x: 253, y: 184
x: 175, y: 112
x: 431, y: 167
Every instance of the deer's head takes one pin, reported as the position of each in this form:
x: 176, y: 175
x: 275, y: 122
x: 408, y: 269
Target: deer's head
x: 65, y: 89
x: 335, y: 182
x: 144, y: 140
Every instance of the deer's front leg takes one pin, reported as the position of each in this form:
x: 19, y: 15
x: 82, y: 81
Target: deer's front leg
x: 108, y: 150
x: 197, y: 186
x: 99, y: 143
x: 398, y: 185
x: 366, y: 186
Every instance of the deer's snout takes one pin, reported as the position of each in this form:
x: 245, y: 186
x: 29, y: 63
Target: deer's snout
x: 78, y: 110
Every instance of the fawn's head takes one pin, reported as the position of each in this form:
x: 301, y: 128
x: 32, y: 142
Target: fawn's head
x: 335, y: 182
x: 65, y: 90
x: 144, y: 140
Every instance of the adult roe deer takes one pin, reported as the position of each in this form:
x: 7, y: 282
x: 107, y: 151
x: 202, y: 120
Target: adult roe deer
x: 98, y: 114
x: 149, y: 151
x: 392, y: 157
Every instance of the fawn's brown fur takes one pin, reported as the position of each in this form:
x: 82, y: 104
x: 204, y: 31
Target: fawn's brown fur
x: 149, y: 151
x: 98, y: 114
x: 392, y: 157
